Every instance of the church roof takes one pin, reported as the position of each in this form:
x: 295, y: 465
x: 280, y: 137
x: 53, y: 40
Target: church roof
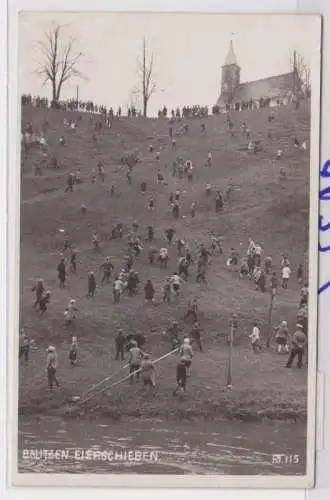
x: 274, y: 86
x: 231, y: 58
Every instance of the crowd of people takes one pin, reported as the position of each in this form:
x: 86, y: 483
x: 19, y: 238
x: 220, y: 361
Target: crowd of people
x: 137, y: 240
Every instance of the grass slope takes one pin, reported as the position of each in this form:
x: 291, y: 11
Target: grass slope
x: 262, y: 207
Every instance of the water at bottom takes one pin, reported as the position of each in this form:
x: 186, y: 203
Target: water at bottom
x: 54, y: 445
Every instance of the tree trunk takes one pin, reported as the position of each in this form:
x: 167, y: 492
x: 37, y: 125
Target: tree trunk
x: 54, y: 93
x: 145, y: 104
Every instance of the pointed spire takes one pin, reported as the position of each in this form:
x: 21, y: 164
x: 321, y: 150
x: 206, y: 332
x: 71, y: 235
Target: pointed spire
x: 231, y: 58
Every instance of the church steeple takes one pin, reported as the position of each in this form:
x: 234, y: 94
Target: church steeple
x: 230, y: 77
x: 231, y: 58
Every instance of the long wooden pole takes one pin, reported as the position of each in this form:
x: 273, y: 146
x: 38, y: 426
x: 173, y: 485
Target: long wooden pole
x: 270, y: 311
x: 230, y: 357
x: 124, y: 379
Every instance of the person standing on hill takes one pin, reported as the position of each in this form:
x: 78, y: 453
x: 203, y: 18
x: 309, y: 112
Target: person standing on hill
x: 151, y: 204
x: 169, y: 234
x: 70, y: 312
x: 186, y: 353
x: 39, y: 288
x: 193, y: 209
x: 300, y: 273
x: 107, y: 268
x: 73, y: 261
x: 286, y: 273
x: 255, y: 338
x: 167, y: 291
x: 268, y: 264
x: 73, y: 352
x: 257, y: 253
x: 69, y: 186
x: 196, y: 336
x: 150, y: 230
x: 175, y: 210
x: 117, y: 290
x: 24, y: 346
x: 218, y: 202
x: 45, y: 299
x: 181, y: 377
x: 96, y: 242
x: 303, y: 296
x: 91, y: 284
x: 66, y: 244
x: 183, y: 267
x: 192, y: 310
x: 51, y: 367
x: 120, y: 342
x: 148, y: 373
x: 149, y: 292
x: 180, y: 247
x: 135, y: 356
x: 281, y: 337
x: 274, y: 283
x: 297, y: 347
x: 61, y: 270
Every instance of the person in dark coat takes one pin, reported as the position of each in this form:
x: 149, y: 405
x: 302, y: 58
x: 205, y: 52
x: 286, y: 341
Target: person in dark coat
x: 91, y: 285
x: 107, y: 268
x: 45, y: 299
x: 39, y: 288
x: 181, y: 377
x: 169, y: 234
x: 61, y: 270
x: 150, y: 230
x: 218, y: 202
x: 149, y: 291
x: 299, y: 341
x: 24, y: 345
x: 196, y: 335
x: 120, y: 342
x: 70, y: 182
x: 132, y: 282
x: 73, y: 261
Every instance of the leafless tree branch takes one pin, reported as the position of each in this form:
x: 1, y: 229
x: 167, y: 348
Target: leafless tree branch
x: 58, y: 61
x: 147, y: 85
x: 302, y: 70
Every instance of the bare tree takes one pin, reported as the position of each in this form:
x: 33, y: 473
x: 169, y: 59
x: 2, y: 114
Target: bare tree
x: 147, y: 85
x: 59, y: 60
x: 302, y: 73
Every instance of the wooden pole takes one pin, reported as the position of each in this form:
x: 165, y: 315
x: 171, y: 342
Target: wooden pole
x: 125, y: 378
x: 270, y: 311
x: 230, y: 357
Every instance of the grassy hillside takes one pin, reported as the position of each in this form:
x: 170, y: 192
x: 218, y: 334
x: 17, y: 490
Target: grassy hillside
x: 262, y: 206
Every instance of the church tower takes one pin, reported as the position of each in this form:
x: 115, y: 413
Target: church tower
x: 230, y: 76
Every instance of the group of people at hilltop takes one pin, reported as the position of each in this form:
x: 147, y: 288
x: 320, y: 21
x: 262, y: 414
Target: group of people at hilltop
x: 126, y: 279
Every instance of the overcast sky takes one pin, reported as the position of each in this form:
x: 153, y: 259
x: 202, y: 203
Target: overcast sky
x: 188, y: 49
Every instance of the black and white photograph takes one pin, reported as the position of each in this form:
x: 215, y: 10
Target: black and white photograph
x: 166, y: 320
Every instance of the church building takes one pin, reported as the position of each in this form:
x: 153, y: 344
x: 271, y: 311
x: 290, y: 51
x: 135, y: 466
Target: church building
x: 266, y: 92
